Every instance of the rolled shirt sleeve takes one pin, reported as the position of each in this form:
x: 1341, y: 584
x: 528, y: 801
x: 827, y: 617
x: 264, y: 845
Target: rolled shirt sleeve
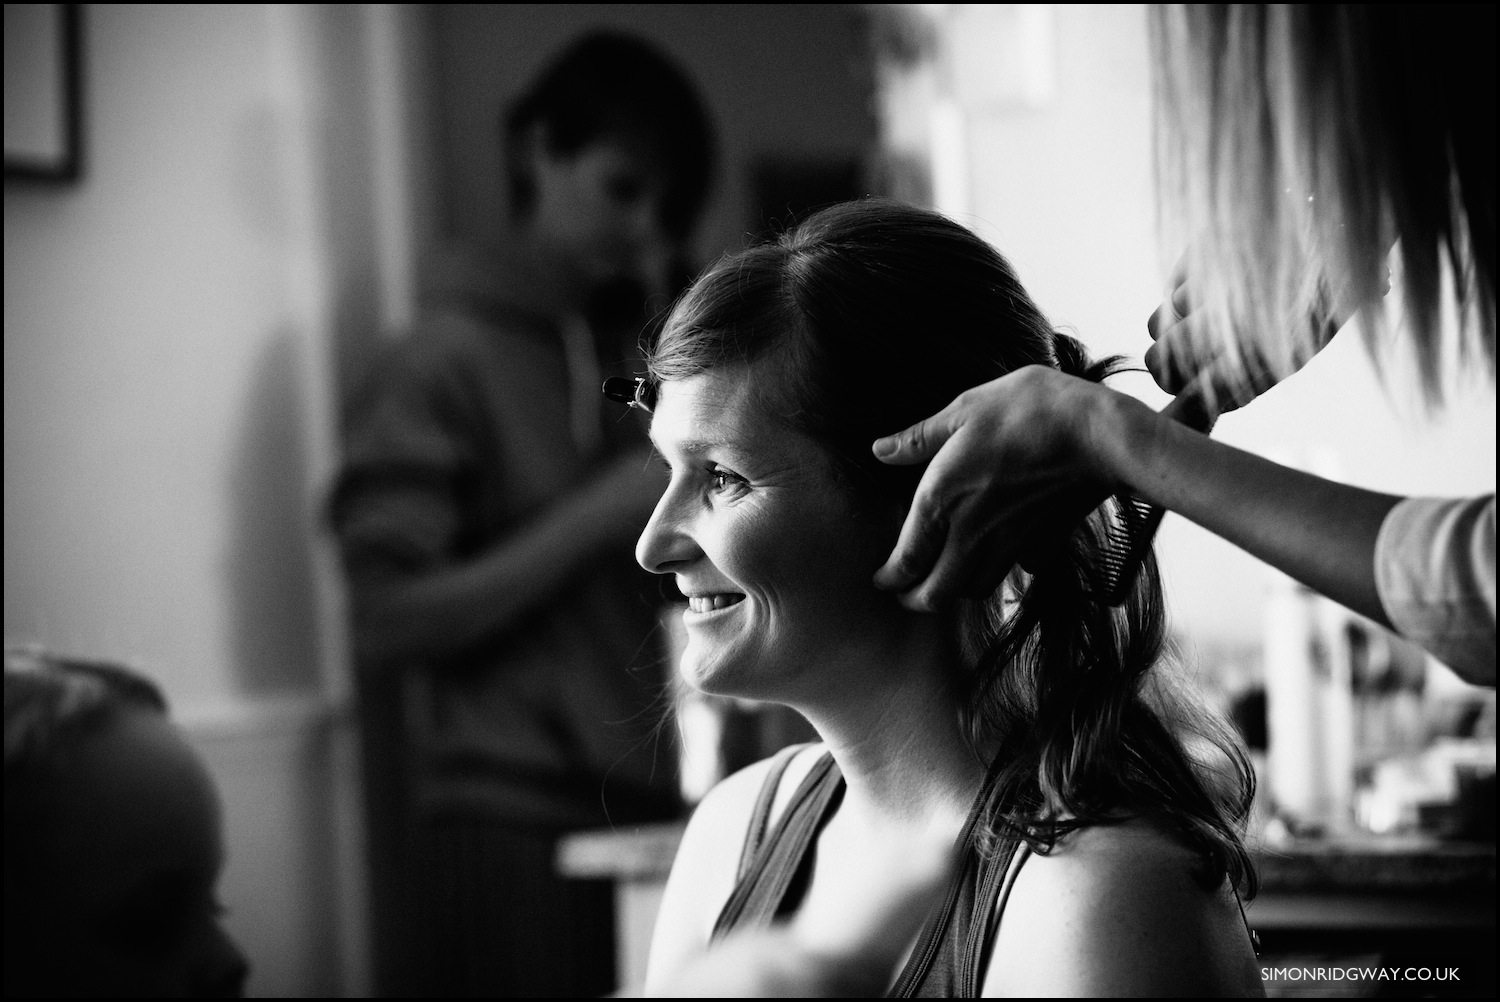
x: 397, y: 505
x: 1435, y: 572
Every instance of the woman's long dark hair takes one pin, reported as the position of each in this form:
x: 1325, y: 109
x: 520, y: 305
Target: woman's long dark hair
x: 872, y: 315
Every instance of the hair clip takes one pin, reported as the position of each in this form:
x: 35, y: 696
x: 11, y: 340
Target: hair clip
x: 633, y: 392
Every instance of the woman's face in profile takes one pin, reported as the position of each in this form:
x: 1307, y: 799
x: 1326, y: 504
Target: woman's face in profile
x: 600, y: 211
x: 776, y: 565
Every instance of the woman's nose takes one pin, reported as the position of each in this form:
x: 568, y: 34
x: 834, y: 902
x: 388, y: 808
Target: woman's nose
x: 665, y: 543
x: 650, y: 248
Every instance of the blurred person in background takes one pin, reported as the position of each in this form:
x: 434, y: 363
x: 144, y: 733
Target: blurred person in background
x: 486, y: 510
x: 1296, y: 144
x: 113, y: 841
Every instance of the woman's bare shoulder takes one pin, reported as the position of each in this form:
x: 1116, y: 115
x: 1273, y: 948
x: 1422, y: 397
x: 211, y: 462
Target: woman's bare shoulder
x: 1121, y: 909
x: 1110, y: 849
x: 726, y: 810
x: 706, y: 866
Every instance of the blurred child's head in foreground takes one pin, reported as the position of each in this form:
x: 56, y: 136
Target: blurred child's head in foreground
x: 113, y: 842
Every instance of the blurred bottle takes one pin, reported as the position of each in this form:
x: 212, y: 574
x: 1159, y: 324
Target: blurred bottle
x: 1309, y: 709
x: 1433, y: 774
x: 1389, y: 678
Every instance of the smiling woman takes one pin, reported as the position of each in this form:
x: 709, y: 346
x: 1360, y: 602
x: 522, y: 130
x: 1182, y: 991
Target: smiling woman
x: 1028, y: 729
x: 762, y: 543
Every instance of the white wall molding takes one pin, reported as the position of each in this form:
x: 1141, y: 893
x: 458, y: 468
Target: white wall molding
x: 307, y: 716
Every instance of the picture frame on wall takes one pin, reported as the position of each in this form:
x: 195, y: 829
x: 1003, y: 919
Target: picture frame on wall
x: 43, y: 92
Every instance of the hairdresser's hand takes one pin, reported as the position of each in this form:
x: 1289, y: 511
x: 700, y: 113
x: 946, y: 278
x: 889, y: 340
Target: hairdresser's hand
x: 1009, y: 462
x: 1185, y: 350
x: 1185, y: 353
x: 853, y: 954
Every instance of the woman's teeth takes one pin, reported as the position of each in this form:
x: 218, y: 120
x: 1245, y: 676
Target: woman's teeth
x: 708, y: 603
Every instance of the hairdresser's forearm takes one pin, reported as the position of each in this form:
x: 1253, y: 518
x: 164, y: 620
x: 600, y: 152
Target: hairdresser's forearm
x: 1320, y: 532
x: 454, y: 607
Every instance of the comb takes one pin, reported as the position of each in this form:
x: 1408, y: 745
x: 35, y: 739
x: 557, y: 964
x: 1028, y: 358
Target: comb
x: 1130, y: 521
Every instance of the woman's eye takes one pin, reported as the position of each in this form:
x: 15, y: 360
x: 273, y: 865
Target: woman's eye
x: 724, y: 480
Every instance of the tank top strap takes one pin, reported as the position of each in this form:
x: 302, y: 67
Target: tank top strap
x: 994, y: 894
x: 761, y: 891
x: 760, y: 814
x: 953, y: 950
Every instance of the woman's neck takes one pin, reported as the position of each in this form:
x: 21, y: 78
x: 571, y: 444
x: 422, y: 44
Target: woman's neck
x: 898, y: 739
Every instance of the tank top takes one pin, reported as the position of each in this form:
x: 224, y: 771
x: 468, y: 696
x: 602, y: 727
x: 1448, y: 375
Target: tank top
x: 953, y: 950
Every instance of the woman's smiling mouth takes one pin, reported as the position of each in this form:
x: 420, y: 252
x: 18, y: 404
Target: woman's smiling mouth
x: 712, y: 603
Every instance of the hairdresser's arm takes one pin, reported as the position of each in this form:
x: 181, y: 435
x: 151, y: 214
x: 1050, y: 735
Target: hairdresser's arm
x: 1318, y: 531
x: 1003, y: 454
x: 406, y: 615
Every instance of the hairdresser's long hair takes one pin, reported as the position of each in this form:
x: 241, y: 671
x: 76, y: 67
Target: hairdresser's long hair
x: 1295, y: 143
x: 867, y: 318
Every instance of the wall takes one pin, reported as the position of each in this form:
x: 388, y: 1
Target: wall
x: 1061, y: 182
x: 153, y: 407
x: 170, y: 326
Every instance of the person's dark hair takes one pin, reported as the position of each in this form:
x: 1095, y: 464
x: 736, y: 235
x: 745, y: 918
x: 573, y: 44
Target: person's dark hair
x: 867, y: 318
x: 610, y: 84
x: 51, y: 703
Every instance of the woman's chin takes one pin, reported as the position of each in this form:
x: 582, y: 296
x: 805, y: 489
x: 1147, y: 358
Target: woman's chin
x: 718, y: 676
x: 707, y: 679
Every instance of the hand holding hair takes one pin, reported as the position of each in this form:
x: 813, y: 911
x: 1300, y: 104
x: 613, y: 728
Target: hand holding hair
x: 1017, y: 461
x: 1005, y: 460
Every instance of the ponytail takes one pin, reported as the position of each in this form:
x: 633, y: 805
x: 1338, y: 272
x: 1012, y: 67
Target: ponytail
x: 1060, y: 687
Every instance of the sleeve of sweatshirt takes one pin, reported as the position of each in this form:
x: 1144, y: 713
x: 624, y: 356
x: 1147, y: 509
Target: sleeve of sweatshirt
x: 1435, y: 572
